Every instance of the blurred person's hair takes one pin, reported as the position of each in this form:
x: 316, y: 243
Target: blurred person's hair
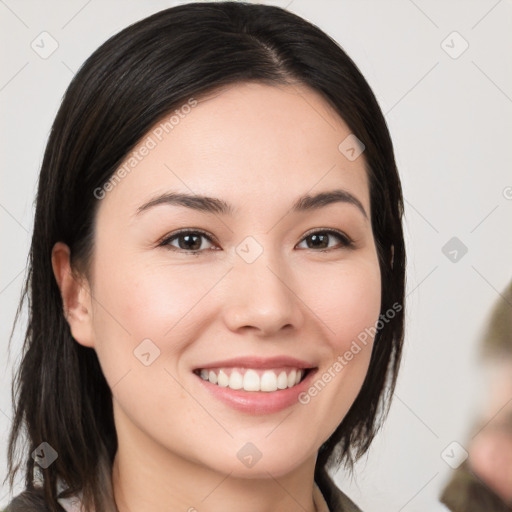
x: 497, y: 340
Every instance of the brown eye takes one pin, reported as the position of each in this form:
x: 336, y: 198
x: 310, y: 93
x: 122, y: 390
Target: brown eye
x: 321, y: 240
x: 187, y: 241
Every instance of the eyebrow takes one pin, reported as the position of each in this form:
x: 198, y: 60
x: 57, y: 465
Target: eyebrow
x: 214, y: 205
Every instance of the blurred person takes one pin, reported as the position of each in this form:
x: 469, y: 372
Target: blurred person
x: 483, y: 483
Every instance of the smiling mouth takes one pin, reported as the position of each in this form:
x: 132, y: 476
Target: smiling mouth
x: 254, y: 379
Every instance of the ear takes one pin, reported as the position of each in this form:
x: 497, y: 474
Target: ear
x: 76, y: 296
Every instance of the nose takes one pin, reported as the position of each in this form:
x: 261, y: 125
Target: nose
x: 260, y: 296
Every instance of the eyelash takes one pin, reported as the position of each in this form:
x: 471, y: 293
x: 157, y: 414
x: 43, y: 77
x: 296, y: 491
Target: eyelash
x: 345, y: 241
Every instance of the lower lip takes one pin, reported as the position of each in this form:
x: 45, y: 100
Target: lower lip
x: 259, y: 402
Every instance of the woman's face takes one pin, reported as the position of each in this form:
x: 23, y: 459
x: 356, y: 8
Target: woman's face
x: 265, y: 279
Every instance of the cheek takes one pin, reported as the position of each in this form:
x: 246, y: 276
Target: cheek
x: 149, y: 301
x: 348, y: 308
x: 490, y: 456
x: 348, y: 304
x: 136, y: 302
x: 140, y: 319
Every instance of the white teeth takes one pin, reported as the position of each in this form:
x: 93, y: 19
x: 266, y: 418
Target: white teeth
x: 252, y: 380
x: 268, y: 381
x: 282, y: 381
x: 291, y: 378
x: 223, y: 379
x: 236, y: 381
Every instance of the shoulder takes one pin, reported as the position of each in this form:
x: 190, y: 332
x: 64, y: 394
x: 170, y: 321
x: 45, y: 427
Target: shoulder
x: 465, y: 491
x: 336, y: 500
x: 29, y: 501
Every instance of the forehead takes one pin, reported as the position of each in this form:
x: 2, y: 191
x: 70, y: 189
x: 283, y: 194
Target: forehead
x: 249, y: 143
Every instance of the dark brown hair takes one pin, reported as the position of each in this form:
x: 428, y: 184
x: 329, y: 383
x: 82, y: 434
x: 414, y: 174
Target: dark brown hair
x: 127, y: 85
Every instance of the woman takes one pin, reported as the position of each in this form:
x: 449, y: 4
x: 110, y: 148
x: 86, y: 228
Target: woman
x: 217, y: 272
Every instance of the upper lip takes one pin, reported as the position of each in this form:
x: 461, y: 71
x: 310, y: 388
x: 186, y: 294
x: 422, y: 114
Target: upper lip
x: 259, y: 362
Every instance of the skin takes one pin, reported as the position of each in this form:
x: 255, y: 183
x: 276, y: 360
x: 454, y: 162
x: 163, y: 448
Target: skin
x: 258, y: 148
x: 490, y: 450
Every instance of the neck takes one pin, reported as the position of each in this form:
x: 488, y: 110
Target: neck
x: 148, y: 477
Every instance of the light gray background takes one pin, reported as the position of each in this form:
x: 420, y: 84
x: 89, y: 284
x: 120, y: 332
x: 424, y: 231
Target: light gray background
x: 451, y: 123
